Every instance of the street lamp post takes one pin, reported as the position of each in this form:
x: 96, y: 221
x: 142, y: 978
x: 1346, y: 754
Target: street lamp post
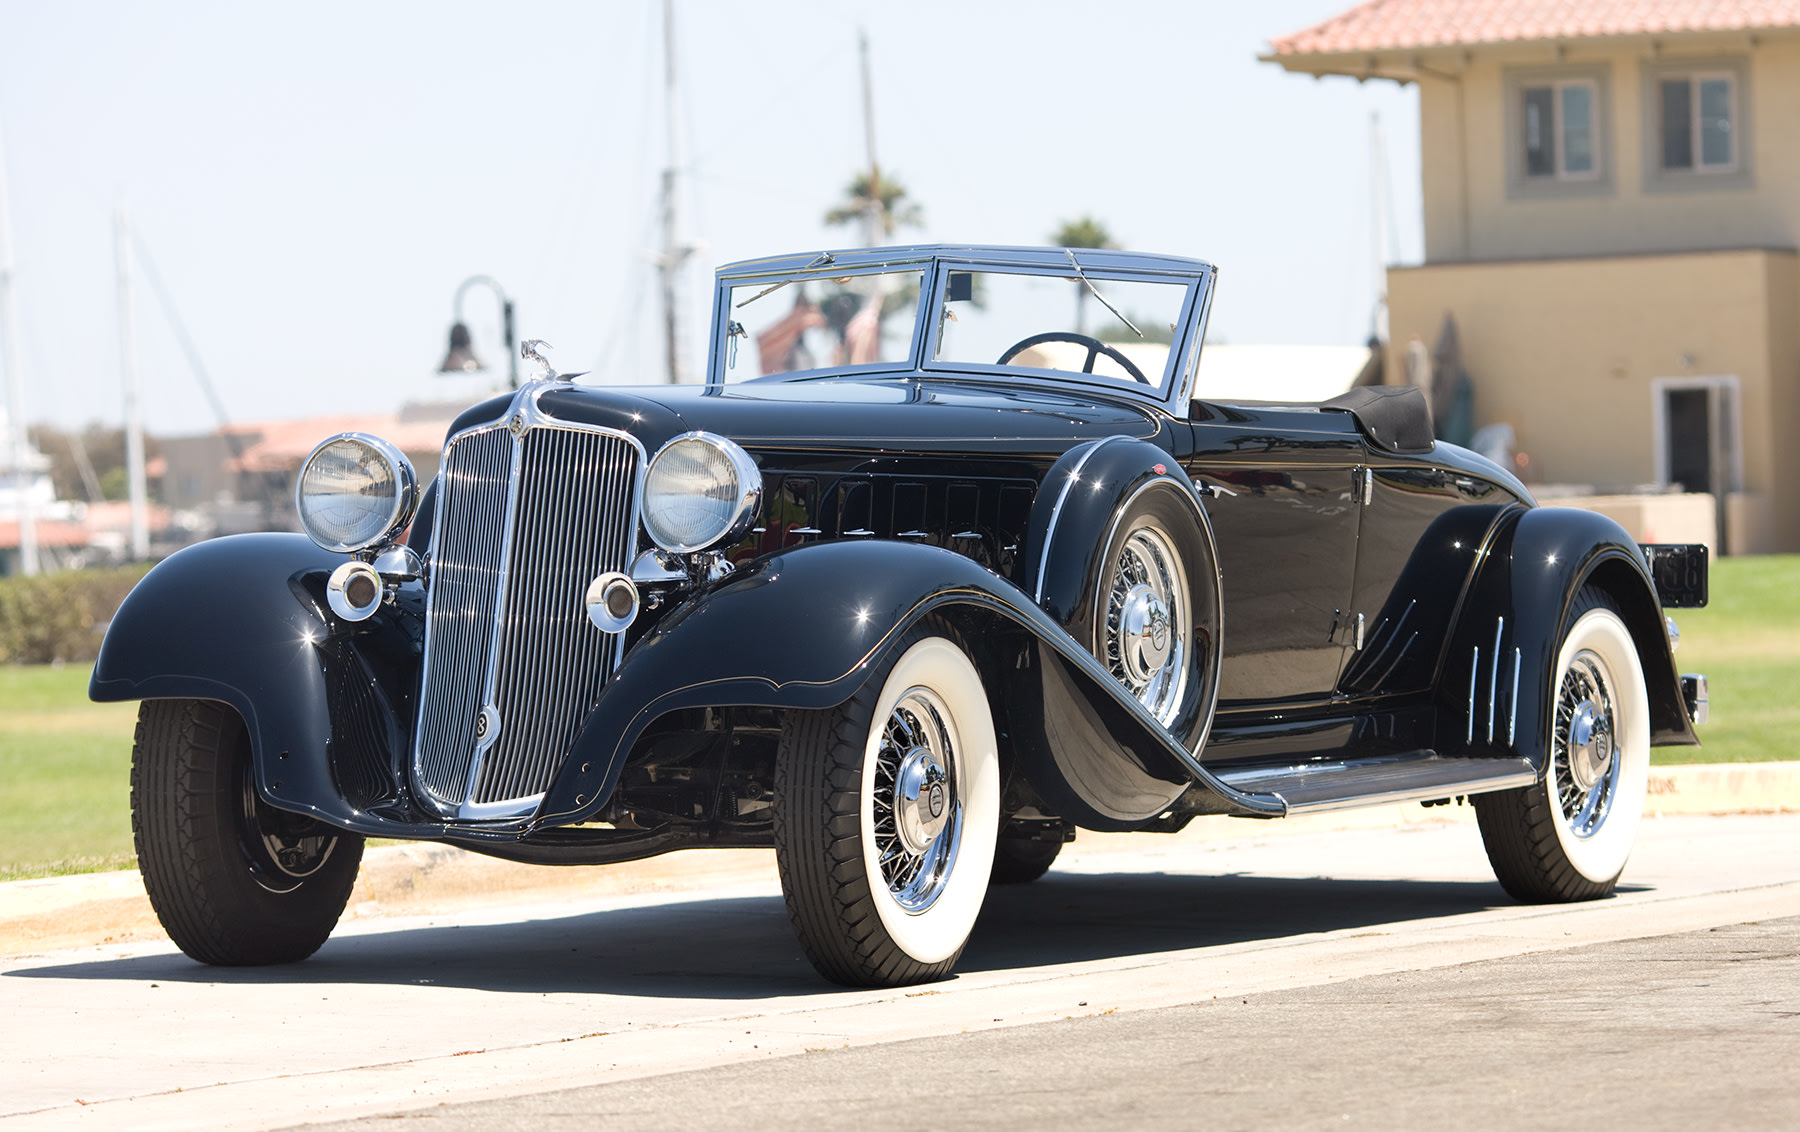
x: 461, y: 358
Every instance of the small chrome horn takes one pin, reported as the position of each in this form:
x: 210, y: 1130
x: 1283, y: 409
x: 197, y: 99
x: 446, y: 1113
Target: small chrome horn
x: 612, y: 602
x: 354, y: 591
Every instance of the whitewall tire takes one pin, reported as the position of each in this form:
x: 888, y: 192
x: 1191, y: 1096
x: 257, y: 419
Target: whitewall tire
x: 886, y: 813
x: 1568, y: 836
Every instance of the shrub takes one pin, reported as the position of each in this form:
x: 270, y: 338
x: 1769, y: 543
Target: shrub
x: 49, y: 618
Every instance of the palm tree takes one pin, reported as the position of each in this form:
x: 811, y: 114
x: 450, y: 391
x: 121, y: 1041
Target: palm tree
x: 1085, y: 232
x: 888, y: 200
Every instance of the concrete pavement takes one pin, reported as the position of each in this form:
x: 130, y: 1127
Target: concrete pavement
x: 400, y: 1013
x: 1695, y: 1030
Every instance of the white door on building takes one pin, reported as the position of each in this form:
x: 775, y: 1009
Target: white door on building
x: 1697, y: 441
x: 1697, y: 430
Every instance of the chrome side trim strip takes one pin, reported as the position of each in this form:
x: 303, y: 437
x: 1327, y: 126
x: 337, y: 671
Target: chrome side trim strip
x: 1512, y: 710
x: 1474, y: 675
x: 1494, y: 676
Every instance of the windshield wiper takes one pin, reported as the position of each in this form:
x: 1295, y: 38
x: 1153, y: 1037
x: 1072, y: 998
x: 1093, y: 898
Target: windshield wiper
x: 1083, y: 276
x: 825, y: 259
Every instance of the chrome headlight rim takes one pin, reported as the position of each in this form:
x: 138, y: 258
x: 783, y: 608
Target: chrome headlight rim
x: 749, y: 493
x: 403, y: 506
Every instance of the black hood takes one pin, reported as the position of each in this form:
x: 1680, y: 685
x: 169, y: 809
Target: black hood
x: 919, y: 415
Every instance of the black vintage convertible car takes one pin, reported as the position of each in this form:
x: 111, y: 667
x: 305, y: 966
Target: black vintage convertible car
x: 944, y: 561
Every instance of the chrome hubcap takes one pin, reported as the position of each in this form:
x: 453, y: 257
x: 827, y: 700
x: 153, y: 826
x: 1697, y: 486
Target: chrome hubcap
x: 1144, y: 633
x: 1590, y: 744
x: 921, y: 799
x: 1146, y: 630
x: 917, y: 808
x: 1587, y: 771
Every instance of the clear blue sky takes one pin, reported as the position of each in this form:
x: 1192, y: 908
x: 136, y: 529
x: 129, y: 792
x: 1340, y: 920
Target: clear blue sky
x: 313, y: 181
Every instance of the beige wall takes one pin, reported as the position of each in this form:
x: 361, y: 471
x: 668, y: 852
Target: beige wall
x: 1470, y: 212
x: 1566, y: 350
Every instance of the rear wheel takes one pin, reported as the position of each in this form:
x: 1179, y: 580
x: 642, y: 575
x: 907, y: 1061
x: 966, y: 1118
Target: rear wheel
x: 235, y: 881
x: 1567, y: 836
x: 886, y: 810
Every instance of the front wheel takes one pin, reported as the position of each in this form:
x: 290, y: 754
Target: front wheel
x: 886, y: 812
x: 1567, y: 836
x: 234, y: 881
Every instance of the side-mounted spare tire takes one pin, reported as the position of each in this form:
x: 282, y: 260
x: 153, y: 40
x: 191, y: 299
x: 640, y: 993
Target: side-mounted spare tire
x: 1156, y: 609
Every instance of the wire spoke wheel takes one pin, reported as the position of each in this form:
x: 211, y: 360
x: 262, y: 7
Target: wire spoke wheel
x: 1145, y: 640
x: 915, y: 808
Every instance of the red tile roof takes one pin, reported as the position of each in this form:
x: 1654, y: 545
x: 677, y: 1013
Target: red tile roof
x: 1385, y: 25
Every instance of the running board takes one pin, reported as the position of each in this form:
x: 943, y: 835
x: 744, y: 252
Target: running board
x: 1345, y: 784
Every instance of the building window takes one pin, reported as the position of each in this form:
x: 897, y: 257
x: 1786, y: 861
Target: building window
x: 1697, y: 115
x: 1557, y: 132
x: 1560, y: 129
x: 1697, y: 126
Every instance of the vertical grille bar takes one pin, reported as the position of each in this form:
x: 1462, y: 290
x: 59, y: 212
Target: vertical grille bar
x: 465, y: 573
x: 571, y: 519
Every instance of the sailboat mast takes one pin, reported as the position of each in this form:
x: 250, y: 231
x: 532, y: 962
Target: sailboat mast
x: 872, y: 226
x: 17, y: 444
x: 673, y: 253
x: 134, y: 420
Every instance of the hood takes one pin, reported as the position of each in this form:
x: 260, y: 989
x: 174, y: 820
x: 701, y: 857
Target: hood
x: 830, y: 415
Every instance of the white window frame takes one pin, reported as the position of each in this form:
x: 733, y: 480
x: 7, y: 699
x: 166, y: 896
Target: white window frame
x: 1727, y: 424
x: 1737, y: 175
x: 1694, y: 78
x: 1596, y: 78
x: 1558, y: 151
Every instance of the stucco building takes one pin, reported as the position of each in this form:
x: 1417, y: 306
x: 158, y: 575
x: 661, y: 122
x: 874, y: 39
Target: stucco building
x: 1611, y: 212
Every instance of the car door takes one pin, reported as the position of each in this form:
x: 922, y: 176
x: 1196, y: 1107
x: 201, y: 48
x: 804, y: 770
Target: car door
x: 1281, y: 487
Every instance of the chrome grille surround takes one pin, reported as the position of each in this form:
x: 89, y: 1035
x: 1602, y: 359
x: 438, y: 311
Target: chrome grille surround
x: 530, y: 508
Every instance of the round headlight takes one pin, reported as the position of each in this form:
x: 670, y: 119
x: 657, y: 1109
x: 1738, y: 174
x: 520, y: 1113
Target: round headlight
x: 354, y: 492
x: 700, y: 490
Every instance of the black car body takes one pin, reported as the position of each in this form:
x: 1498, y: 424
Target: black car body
x: 1164, y: 607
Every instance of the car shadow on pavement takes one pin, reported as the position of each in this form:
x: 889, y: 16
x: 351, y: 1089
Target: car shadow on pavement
x: 743, y: 947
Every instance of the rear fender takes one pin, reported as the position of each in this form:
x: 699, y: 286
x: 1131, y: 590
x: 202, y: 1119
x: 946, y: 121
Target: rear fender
x: 803, y: 628
x: 1496, y: 694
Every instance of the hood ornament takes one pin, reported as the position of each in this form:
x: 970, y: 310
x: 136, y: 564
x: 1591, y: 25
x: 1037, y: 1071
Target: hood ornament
x: 529, y: 350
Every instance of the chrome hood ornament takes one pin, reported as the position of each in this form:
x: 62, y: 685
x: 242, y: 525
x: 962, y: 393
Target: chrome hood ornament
x: 529, y: 350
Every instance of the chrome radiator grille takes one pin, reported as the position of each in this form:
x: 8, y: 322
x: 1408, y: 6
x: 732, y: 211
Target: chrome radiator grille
x: 512, y: 664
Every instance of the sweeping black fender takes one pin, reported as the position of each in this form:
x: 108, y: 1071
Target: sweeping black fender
x: 1496, y: 691
x: 821, y: 616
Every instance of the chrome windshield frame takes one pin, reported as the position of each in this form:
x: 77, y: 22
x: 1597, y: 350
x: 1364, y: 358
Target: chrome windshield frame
x: 935, y: 261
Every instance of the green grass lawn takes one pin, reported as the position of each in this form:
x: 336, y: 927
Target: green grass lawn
x: 65, y: 794
x: 65, y: 766
x: 1747, y: 641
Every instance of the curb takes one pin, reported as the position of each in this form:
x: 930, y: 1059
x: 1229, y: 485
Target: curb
x: 424, y: 877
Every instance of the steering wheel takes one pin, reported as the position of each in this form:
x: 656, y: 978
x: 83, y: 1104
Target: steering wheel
x: 1095, y: 348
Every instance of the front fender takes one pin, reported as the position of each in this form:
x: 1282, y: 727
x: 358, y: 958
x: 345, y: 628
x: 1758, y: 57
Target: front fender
x: 801, y: 629
x: 1514, y: 620
x: 242, y: 620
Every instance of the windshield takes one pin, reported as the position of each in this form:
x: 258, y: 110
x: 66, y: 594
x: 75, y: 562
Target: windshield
x: 809, y: 324
x: 1111, y: 328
